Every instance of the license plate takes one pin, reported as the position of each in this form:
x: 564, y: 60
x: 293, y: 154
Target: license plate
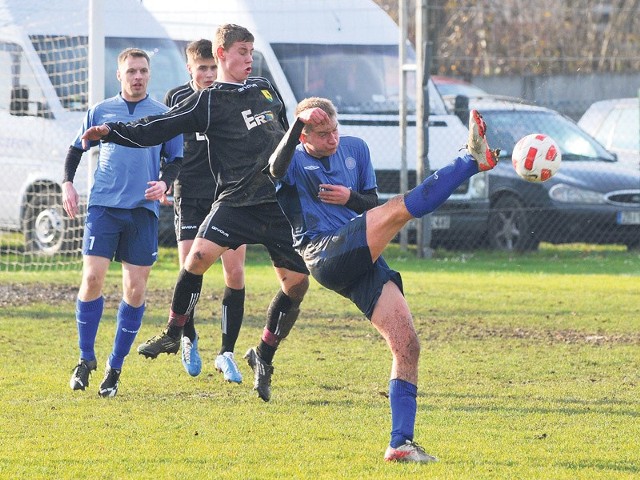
x: 440, y: 222
x: 629, y: 218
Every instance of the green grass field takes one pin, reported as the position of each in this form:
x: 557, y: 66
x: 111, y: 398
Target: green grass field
x: 530, y: 369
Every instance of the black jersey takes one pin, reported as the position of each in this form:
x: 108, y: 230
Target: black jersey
x: 243, y: 125
x: 195, y: 179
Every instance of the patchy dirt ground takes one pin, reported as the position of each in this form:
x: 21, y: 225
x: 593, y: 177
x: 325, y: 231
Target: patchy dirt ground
x: 19, y: 294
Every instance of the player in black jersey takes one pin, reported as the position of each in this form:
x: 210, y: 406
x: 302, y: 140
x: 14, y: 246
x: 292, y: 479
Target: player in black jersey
x: 243, y: 119
x: 193, y: 193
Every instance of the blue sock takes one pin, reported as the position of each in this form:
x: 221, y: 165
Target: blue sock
x: 402, y: 396
x: 88, y: 315
x: 129, y: 322
x: 439, y: 186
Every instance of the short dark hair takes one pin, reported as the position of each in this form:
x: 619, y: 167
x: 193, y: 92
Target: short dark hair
x: 132, y: 52
x: 200, y: 49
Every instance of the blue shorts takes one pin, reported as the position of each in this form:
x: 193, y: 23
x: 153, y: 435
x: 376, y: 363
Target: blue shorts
x: 342, y: 262
x: 121, y: 234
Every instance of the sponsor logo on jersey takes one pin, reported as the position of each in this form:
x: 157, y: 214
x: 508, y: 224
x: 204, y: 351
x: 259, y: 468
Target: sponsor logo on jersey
x: 267, y: 95
x: 109, y: 115
x: 189, y: 227
x: 200, y: 137
x: 350, y: 163
x: 311, y: 167
x: 247, y: 87
x: 252, y: 120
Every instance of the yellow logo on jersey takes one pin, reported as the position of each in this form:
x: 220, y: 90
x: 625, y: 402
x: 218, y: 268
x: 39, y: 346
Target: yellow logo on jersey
x: 267, y: 95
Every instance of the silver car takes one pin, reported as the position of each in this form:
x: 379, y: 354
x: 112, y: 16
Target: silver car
x: 616, y: 125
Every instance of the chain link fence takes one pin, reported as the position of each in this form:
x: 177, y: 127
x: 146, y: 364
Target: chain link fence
x: 529, y: 67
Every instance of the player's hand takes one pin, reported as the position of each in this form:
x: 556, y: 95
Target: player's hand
x: 70, y: 199
x: 314, y: 116
x: 156, y: 190
x: 92, y: 134
x: 166, y: 201
x: 334, y: 194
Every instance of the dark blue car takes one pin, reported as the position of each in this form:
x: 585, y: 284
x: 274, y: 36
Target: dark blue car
x: 592, y: 199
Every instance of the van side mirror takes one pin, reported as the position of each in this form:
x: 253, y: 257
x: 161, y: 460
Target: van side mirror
x: 19, y: 101
x: 461, y: 108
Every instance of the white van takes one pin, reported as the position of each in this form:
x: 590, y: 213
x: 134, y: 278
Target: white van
x: 346, y: 50
x: 43, y: 99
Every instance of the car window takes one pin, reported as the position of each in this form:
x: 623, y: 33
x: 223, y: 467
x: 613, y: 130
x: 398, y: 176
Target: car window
x: 605, y: 132
x: 625, y: 131
x: 23, y: 97
x: 506, y: 127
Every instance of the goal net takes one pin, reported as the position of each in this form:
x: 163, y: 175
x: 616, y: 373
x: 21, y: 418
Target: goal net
x: 43, y: 91
x: 44, y: 85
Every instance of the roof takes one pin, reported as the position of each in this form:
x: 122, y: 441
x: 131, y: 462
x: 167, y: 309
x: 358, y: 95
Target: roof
x: 316, y: 22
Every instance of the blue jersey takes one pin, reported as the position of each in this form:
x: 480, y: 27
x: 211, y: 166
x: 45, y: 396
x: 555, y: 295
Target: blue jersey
x: 122, y: 173
x: 297, y: 191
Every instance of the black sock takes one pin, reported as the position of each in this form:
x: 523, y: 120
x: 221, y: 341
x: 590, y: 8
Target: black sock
x: 185, y: 296
x: 190, y: 328
x: 231, y: 319
x: 266, y: 352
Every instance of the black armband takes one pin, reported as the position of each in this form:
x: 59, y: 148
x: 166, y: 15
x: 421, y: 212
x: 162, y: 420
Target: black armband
x: 71, y: 163
x: 281, y: 158
x: 170, y: 171
x: 361, y: 202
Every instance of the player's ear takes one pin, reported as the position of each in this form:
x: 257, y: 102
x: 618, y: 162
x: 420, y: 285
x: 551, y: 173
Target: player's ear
x: 220, y: 53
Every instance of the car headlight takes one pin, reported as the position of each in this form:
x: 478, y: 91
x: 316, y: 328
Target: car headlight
x: 478, y: 187
x: 569, y: 194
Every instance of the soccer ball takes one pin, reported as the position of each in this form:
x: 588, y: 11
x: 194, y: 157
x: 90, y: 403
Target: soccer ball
x: 536, y: 157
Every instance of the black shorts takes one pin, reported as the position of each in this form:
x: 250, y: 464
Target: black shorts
x: 254, y: 225
x: 342, y: 262
x: 189, y: 213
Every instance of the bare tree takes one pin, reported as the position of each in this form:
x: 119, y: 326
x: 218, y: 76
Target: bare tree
x: 487, y: 37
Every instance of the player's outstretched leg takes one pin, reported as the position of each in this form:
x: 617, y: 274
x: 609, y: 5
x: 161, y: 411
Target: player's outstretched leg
x: 477, y: 144
x: 438, y: 187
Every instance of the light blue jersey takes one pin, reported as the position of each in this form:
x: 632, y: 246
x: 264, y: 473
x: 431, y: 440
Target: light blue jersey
x: 297, y: 191
x: 122, y: 173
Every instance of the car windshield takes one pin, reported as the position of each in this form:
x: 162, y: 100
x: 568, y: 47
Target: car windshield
x: 357, y: 78
x: 505, y: 128
x: 65, y: 60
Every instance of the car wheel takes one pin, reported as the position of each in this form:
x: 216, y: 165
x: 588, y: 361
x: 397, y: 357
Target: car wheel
x: 46, y: 229
x: 634, y: 246
x: 509, y: 227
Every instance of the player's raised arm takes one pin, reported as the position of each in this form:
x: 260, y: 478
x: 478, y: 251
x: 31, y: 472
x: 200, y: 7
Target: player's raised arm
x: 190, y: 115
x: 281, y: 157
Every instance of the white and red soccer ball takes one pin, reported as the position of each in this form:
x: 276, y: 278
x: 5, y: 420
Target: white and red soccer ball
x: 536, y: 157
